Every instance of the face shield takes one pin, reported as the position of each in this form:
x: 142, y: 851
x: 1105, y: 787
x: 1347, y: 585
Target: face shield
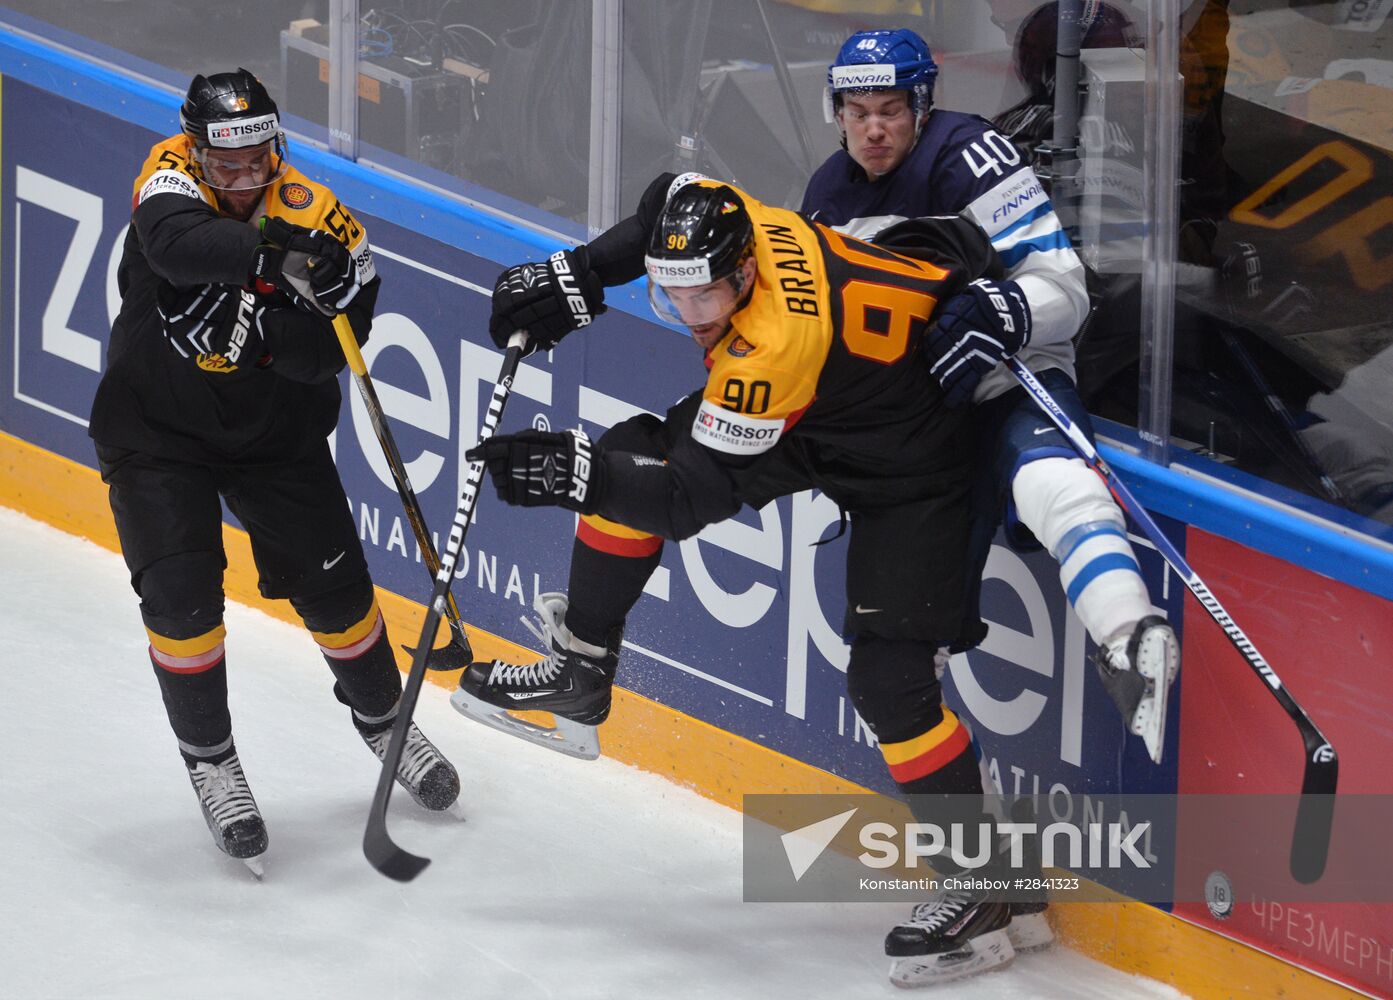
x: 248, y: 168
x: 687, y: 296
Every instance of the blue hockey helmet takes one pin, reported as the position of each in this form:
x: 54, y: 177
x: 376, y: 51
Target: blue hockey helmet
x: 897, y: 59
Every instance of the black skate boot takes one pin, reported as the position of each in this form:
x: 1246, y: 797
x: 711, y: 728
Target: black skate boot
x: 423, y: 771
x: 573, y: 682
x: 1137, y: 671
x: 959, y: 934
x: 230, y: 811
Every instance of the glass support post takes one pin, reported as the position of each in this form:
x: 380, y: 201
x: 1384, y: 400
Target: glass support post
x: 343, y: 78
x: 606, y: 79
x: 1161, y: 179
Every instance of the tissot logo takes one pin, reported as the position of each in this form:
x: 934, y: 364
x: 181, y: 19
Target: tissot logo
x: 678, y: 273
x: 734, y: 433
x: 233, y: 135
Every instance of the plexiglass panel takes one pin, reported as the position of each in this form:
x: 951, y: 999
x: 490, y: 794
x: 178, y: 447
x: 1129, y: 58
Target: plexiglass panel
x: 1284, y: 326
x: 1283, y: 266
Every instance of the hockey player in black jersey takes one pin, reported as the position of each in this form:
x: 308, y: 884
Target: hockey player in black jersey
x: 814, y: 379
x: 221, y: 383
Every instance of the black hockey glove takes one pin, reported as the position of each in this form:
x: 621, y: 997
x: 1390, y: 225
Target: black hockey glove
x: 217, y: 327
x: 547, y: 299
x: 975, y: 332
x: 309, y: 265
x: 542, y: 469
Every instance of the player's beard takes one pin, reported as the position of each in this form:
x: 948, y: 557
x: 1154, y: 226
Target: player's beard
x: 240, y: 205
x: 710, y: 334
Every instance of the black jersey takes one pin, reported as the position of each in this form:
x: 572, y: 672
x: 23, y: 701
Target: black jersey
x: 150, y: 400
x: 822, y: 359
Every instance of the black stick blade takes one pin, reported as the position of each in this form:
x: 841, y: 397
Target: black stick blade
x: 451, y: 656
x: 378, y: 846
x: 388, y: 858
x: 1315, y: 815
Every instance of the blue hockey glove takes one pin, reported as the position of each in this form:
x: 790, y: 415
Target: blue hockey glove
x: 975, y: 332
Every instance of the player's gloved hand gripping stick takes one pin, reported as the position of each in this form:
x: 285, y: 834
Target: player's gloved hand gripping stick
x: 1311, y: 838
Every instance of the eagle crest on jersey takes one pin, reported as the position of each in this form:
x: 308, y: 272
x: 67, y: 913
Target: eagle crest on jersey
x: 169, y: 169
x: 215, y: 363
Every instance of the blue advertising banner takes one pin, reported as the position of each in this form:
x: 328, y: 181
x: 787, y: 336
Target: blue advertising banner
x: 738, y: 627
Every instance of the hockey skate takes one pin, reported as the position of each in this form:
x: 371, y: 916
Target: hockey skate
x: 423, y: 771
x: 572, y: 684
x: 1137, y: 671
x: 230, y: 811
x: 1029, y: 929
x: 961, y: 933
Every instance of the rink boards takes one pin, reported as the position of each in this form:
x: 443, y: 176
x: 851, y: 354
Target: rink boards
x: 735, y: 666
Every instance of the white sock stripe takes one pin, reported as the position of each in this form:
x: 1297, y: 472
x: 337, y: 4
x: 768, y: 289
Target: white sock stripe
x: 358, y: 648
x: 205, y: 752
x: 187, y: 664
x: 374, y: 720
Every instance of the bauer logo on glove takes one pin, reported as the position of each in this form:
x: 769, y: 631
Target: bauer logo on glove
x: 548, y: 300
x: 218, y: 327
x: 543, y: 469
x: 976, y: 331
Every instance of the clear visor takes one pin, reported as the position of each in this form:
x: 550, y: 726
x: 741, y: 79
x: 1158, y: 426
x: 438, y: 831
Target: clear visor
x: 244, y: 169
x: 700, y: 305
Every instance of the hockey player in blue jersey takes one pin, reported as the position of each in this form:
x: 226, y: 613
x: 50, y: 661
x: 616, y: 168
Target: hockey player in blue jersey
x: 904, y: 159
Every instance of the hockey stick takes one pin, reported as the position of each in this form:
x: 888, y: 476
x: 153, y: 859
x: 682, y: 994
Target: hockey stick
x: 456, y: 654
x: 378, y: 845
x: 1311, y: 836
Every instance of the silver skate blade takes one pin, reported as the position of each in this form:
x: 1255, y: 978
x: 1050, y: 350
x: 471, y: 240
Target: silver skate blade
x: 1029, y: 932
x: 255, y: 866
x: 574, y: 739
x: 1156, y: 668
x: 1152, y: 729
x: 982, y: 954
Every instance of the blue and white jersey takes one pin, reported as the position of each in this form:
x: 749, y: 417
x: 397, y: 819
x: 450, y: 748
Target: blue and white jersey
x: 961, y: 164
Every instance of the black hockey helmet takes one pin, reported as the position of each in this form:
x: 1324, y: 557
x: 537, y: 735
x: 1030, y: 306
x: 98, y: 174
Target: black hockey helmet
x: 231, y: 111
x: 702, y: 236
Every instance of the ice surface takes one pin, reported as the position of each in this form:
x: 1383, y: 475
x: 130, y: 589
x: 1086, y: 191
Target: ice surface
x: 569, y: 879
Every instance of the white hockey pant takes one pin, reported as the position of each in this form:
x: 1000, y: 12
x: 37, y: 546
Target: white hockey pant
x: 1068, y: 508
